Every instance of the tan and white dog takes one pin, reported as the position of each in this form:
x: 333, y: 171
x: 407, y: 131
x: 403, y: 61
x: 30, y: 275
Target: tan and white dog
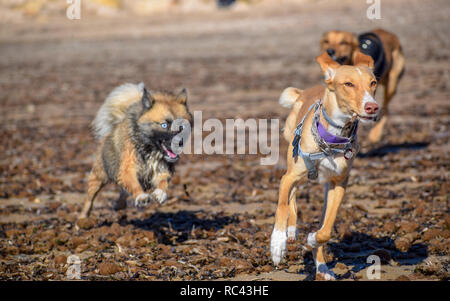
x: 347, y: 98
x: 342, y: 45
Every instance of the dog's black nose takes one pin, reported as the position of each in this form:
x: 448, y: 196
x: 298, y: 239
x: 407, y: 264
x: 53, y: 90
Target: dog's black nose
x: 331, y: 51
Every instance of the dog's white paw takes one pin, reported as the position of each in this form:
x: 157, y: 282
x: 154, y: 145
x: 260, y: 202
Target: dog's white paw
x: 143, y: 200
x: 278, y: 245
x: 312, y: 242
x: 292, y: 233
x: 159, y: 195
x: 323, y: 272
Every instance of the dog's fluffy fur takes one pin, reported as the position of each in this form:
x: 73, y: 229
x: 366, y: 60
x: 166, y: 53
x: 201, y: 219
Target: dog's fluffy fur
x: 133, y: 127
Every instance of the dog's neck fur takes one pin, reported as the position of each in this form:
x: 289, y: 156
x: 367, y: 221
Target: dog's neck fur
x: 332, y: 109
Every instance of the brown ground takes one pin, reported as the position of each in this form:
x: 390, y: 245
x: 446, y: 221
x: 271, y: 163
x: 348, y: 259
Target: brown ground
x: 218, y: 220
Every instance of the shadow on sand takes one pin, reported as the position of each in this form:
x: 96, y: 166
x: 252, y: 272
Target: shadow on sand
x: 392, y: 148
x: 355, y: 249
x: 178, y: 226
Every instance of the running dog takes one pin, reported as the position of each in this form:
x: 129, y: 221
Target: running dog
x: 135, y: 133
x: 323, y: 146
x: 389, y: 62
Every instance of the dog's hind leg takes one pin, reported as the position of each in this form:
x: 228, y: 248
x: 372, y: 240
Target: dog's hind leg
x: 398, y: 65
x: 322, y: 271
x: 292, y: 219
x: 279, y: 235
x: 96, y: 180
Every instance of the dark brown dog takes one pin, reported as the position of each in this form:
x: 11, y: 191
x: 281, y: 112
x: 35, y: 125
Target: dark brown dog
x: 385, y: 49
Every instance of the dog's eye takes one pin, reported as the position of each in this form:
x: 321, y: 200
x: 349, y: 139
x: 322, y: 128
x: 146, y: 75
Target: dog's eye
x: 344, y: 43
x: 373, y: 83
x: 164, y: 125
x: 325, y: 41
x: 349, y: 84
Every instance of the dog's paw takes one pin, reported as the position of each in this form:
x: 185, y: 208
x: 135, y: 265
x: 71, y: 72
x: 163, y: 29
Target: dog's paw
x: 323, y: 273
x: 278, y: 245
x: 143, y: 200
x: 159, y: 195
x: 312, y: 242
x: 291, y: 234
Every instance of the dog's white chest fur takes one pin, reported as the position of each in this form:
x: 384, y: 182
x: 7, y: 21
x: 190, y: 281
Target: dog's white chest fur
x: 331, y: 167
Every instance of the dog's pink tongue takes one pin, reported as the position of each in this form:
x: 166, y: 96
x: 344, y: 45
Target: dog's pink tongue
x: 171, y: 154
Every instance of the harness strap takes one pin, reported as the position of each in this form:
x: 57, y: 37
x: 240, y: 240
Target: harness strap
x: 329, y: 120
x: 309, y: 158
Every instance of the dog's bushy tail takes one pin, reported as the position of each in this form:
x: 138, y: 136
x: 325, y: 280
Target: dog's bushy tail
x: 113, y: 110
x: 289, y: 96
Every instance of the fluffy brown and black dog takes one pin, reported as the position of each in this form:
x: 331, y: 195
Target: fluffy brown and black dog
x: 134, y: 128
x: 385, y: 49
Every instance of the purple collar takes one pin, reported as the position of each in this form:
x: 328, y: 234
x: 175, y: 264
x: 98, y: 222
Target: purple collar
x: 328, y: 137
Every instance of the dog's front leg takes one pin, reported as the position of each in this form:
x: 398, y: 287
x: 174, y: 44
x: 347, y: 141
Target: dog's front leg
x: 161, y: 184
x: 333, y: 199
x: 127, y: 178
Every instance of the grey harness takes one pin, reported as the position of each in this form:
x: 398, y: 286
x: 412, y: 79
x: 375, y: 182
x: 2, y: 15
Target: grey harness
x: 329, y: 144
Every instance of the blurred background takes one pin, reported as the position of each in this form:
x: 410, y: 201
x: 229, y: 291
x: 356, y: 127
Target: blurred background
x: 234, y: 58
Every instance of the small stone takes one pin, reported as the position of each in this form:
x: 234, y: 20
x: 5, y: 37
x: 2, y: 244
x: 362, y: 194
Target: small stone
x: 402, y: 278
x: 150, y: 235
x: 447, y: 221
x: 106, y: 268
x: 115, y: 229
x: 76, y: 241
x: 241, y: 265
x: 54, y: 205
x: 62, y: 238
x: 340, y: 268
x: 407, y: 227
x: 389, y: 227
x: 402, y: 244
x: 266, y: 268
x: 60, y: 260
x: 81, y: 248
x: 86, y: 223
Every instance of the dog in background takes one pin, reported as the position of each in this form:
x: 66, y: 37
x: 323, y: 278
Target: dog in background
x: 323, y: 146
x: 134, y: 129
x: 389, y: 63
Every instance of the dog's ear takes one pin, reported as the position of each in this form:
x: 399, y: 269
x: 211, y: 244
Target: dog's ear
x: 328, y: 66
x: 360, y: 59
x: 147, y: 100
x: 182, y: 96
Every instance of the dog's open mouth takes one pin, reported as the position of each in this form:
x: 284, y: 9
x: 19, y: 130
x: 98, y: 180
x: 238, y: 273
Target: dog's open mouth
x: 169, y: 154
x: 368, y: 118
x: 341, y: 59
